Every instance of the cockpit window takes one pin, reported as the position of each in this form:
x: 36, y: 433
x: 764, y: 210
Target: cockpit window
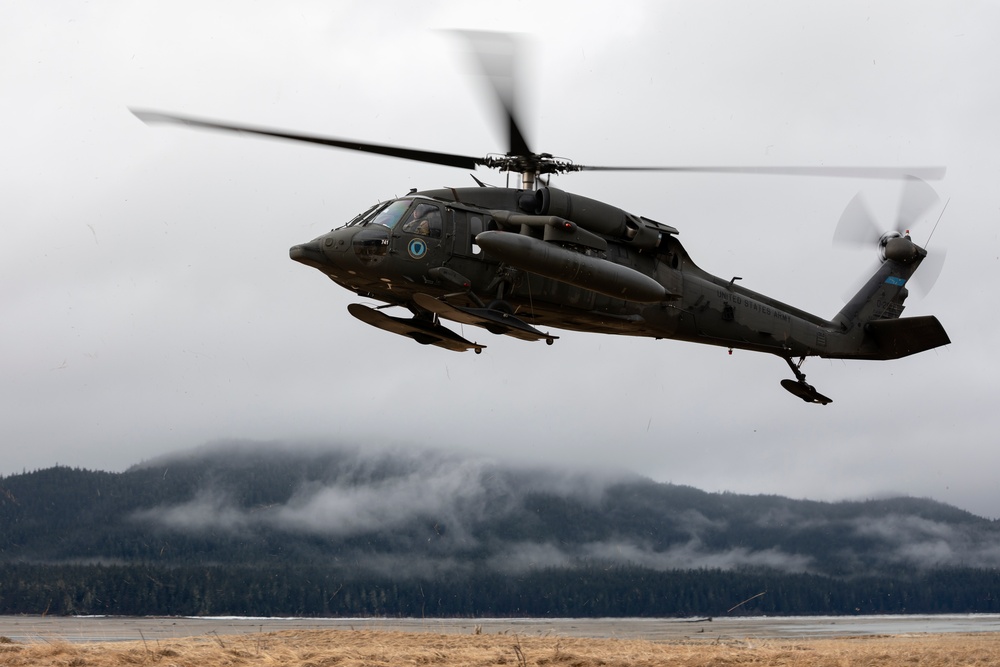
x: 362, y: 218
x: 390, y: 215
x: 424, y: 219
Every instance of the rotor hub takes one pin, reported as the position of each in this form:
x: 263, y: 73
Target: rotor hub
x: 883, y: 243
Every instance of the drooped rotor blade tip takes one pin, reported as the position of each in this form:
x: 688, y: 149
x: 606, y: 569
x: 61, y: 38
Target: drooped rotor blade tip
x: 160, y: 118
x: 149, y: 117
x: 417, y: 155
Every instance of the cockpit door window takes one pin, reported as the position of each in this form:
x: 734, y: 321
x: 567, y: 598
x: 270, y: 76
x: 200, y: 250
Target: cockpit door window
x: 424, y: 219
x: 425, y: 232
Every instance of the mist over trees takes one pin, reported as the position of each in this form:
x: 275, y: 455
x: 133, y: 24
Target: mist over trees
x: 270, y: 529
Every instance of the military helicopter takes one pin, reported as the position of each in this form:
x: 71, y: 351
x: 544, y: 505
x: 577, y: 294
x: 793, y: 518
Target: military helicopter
x: 520, y: 261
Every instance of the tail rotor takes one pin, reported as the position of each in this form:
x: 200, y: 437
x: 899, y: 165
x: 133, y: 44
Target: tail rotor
x: 859, y: 227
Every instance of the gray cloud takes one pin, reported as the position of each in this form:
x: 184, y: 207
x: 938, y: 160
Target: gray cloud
x: 694, y: 555
x: 376, y: 489
x: 209, y: 511
x: 919, y: 542
x: 452, y: 493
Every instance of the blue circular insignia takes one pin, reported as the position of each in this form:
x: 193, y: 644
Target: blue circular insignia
x: 417, y: 248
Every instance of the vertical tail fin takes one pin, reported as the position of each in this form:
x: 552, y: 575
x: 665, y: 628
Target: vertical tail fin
x: 873, y: 313
x: 881, y: 298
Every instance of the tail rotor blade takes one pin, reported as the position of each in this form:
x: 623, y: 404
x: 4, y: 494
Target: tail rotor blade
x: 857, y: 225
x: 929, y: 271
x: 916, y: 199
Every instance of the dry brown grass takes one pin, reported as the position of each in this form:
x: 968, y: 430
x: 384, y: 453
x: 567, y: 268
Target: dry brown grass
x: 375, y: 648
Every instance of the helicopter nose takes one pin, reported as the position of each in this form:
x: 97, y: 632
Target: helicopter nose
x: 326, y: 253
x: 310, y: 254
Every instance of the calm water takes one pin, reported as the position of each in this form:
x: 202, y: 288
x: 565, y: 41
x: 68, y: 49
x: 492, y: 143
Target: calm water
x: 103, y: 628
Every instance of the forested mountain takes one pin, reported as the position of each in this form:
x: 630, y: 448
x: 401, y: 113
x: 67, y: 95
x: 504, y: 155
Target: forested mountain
x: 270, y: 529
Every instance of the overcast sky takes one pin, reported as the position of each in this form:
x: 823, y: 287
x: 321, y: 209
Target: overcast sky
x: 149, y: 304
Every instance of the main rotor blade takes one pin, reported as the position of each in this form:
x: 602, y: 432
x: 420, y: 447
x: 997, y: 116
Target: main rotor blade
x: 497, y: 54
x: 926, y: 173
x: 446, y: 159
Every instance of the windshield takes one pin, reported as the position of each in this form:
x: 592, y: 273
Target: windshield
x: 366, y: 217
x: 390, y: 215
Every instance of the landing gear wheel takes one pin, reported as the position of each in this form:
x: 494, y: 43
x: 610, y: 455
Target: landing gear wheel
x: 805, y: 391
x: 800, y: 387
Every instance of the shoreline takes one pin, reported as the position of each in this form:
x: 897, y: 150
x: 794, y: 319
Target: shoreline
x: 77, y: 629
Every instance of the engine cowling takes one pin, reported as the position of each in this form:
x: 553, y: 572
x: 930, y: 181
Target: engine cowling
x: 575, y: 268
x: 596, y: 216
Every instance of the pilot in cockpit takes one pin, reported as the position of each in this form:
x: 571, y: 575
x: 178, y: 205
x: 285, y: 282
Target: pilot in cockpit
x: 424, y: 219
